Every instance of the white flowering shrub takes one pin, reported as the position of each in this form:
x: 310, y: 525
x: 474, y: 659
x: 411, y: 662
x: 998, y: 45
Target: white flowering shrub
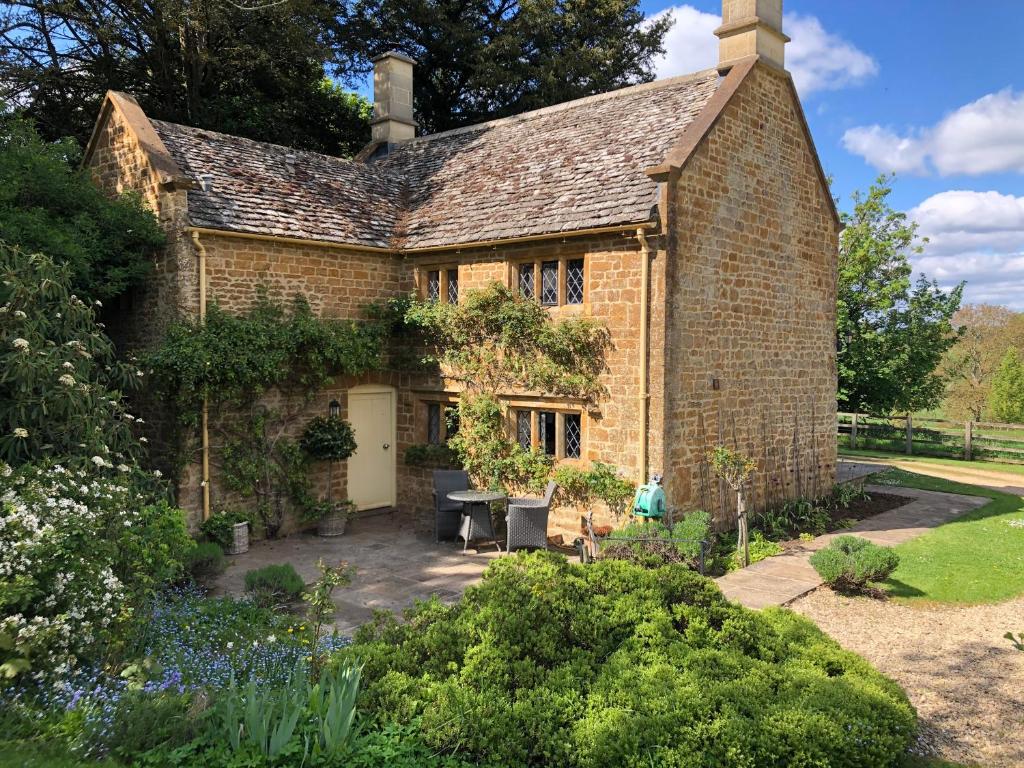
x: 61, y: 392
x: 78, y: 549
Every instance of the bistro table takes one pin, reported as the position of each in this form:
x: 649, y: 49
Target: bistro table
x: 476, y: 514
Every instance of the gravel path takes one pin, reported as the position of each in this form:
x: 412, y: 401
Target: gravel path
x: 964, y: 678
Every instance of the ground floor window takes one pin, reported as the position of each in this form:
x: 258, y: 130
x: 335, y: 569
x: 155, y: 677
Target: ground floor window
x: 441, y: 420
x: 558, y: 433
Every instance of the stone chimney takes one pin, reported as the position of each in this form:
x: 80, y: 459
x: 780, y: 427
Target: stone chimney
x: 392, y: 98
x: 751, y: 27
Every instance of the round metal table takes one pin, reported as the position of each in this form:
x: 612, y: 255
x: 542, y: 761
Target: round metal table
x: 476, y: 514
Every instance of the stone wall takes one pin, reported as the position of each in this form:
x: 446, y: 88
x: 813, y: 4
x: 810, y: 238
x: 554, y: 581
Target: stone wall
x: 751, y: 305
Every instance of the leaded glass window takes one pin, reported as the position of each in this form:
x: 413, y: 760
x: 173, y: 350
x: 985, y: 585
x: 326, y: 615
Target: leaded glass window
x: 524, y: 429
x: 549, y: 283
x: 433, y: 285
x: 573, y: 436
x: 546, y: 434
x: 434, y: 423
x: 527, y: 287
x: 453, y: 286
x: 574, y: 281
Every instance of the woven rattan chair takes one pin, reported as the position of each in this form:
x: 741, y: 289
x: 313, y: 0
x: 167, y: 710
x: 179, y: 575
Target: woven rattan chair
x: 447, y: 513
x: 527, y: 521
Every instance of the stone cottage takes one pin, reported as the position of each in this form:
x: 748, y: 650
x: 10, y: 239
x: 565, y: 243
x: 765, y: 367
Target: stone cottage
x: 690, y: 215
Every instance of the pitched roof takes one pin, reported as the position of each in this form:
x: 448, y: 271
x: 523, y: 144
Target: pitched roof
x: 573, y: 166
x: 267, y: 189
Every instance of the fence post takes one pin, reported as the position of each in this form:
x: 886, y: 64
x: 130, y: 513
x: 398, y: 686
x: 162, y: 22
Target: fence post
x: 853, y: 430
x: 910, y: 435
x: 968, y: 439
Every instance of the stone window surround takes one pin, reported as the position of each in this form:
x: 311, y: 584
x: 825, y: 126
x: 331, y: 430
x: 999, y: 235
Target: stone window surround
x: 563, y: 261
x: 442, y: 269
x: 561, y: 408
x: 425, y: 401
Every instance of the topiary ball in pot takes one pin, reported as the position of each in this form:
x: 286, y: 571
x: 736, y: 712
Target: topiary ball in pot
x: 328, y: 438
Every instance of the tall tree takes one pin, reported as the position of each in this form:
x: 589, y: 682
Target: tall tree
x: 1006, y: 399
x: 481, y: 59
x: 255, y: 71
x: 988, y: 331
x: 892, y: 333
x: 48, y: 204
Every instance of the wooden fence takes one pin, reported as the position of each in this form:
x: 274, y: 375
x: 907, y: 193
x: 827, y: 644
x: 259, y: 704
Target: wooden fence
x: 977, y: 440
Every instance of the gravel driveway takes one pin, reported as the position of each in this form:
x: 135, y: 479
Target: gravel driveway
x: 964, y: 678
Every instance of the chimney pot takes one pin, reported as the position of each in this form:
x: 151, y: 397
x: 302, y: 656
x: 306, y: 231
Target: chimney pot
x: 392, y: 98
x: 749, y: 28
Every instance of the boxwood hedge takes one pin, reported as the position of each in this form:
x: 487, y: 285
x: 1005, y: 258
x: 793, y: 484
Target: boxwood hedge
x: 556, y: 664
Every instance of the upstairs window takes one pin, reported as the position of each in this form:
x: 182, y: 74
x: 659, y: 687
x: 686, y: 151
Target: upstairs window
x: 440, y: 283
x: 552, y: 282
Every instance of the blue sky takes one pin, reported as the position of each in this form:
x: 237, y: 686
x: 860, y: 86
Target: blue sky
x: 931, y: 89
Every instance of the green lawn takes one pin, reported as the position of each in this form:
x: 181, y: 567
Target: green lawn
x: 991, y: 466
x: 978, y: 558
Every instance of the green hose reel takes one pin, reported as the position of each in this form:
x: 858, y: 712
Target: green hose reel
x: 649, y: 501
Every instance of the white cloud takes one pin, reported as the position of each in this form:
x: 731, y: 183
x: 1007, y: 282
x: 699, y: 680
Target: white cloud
x: 977, y: 237
x: 985, y: 136
x: 820, y: 60
x: 817, y: 59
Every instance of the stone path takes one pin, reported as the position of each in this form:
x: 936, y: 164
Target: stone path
x: 394, y: 567
x: 783, y: 578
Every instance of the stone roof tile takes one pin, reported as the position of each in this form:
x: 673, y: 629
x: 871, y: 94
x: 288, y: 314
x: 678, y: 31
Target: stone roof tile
x: 568, y: 167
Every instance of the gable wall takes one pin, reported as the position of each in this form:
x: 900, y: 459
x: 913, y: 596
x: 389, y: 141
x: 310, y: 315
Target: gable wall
x: 751, y: 304
x: 119, y: 164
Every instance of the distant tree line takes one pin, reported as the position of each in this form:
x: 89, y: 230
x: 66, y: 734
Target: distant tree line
x: 276, y: 70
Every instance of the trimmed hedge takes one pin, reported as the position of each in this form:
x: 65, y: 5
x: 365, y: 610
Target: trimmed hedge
x: 849, y: 563
x: 611, y: 664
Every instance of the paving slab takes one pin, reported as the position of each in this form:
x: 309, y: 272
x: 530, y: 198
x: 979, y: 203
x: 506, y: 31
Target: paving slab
x: 781, y: 579
x: 393, y: 566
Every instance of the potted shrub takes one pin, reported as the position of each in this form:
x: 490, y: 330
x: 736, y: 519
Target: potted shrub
x: 330, y: 439
x: 229, y: 529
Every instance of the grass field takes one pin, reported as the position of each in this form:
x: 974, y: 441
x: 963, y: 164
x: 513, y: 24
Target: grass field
x: 990, y: 466
x: 978, y: 558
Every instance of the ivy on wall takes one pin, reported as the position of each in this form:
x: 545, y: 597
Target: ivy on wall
x: 235, y: 361
x: 494, y: 342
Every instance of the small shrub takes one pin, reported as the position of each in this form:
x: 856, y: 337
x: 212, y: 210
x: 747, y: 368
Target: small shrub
x: 220, y: 527
x: 206, y: 560
x: 431, y: 456
x: 328, y: 438
x: 660, y: 545
x: 849, y: 563
x: 274, y: 584
x: 760, y: 549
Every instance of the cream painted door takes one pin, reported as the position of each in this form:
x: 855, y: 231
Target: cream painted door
x: 371, y: 469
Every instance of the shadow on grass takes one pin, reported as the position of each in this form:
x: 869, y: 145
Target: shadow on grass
x: 897, y: 588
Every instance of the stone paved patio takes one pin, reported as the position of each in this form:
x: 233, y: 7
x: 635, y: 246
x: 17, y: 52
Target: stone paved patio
x: 783, y: 578
x: 394, y: 566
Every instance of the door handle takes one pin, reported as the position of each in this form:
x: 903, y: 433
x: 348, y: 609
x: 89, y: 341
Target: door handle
x: 386, y: 446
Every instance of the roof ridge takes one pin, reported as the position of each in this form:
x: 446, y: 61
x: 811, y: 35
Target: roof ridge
x: 565, y: 105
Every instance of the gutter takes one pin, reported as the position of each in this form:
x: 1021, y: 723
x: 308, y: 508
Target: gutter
x: 645, y: 395
x: 201, y: 250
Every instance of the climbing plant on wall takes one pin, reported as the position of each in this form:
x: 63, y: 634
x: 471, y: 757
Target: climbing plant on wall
x: 259, y: 371
x: 493, y: 342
